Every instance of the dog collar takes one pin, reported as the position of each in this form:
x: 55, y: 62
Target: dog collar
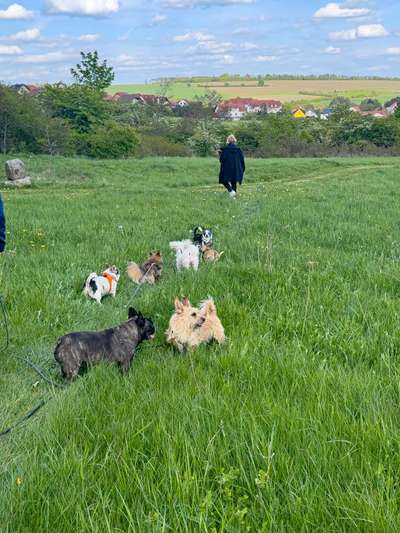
x: 109, y: 278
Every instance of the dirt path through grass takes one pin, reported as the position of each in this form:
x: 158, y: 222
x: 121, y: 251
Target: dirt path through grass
x: 343, y: 172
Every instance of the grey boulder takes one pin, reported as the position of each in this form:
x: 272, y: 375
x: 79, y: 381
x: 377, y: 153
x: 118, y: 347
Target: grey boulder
x: 15, y: 170
x: 24, y: 182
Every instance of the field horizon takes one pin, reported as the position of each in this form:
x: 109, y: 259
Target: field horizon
x: 292, y: 425
x: 311, y: 92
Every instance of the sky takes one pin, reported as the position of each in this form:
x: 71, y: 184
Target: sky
x: 146, y: 39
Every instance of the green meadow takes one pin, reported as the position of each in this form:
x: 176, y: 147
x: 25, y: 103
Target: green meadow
x: 175, y: 90
x: 317, y: 93
x: 293, y: 425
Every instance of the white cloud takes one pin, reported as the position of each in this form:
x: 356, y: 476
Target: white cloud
x: 366, y: 31
x: 378, y: 68
x: 180, y: 4
x: 346, y: 35
x: 211, y: 48
x: 393, y: 51
x: 194, y: 36
x: 95, y: 8
x: 265, y: 59
x: 331, y: 50
x: 51, y: 57
x: 9, y: 50
x: 127, y: 61
x: 372, y: 30
x: 89, y: 37
x: 158, y: 18
x: 248, y: 46
x: 14, y: 12
x: 227, y: 59
x: 333, y: 10
x: 31, y: 34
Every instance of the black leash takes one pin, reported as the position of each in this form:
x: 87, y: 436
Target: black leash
x: 23, y: 419
x: 6, y: 325
x: 40, y: 372
x: 140, y: 285
x: 36, y: 368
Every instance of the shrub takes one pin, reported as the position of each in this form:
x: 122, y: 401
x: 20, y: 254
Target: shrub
x: 110, y: 141
x: 155, y: 145
x: 205, y: 141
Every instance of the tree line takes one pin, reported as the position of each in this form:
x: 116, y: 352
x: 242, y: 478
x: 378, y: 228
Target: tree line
x: 78, y: 120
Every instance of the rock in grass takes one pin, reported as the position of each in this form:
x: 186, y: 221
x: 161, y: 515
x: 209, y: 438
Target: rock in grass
x: 23, y: 182
x: 15, y: 170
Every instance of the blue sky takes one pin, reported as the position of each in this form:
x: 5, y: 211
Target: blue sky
x: 145, y: 39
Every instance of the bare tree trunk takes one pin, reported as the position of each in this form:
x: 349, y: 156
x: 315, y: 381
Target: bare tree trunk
x: 5, y: 128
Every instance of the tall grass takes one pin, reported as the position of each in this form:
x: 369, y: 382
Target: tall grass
x: 293, y: 425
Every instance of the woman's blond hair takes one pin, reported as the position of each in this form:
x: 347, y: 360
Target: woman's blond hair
x: 231, y: 139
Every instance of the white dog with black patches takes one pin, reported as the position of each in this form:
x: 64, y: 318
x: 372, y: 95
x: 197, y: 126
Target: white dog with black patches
x: 98, y: 286
x: 187, y: 254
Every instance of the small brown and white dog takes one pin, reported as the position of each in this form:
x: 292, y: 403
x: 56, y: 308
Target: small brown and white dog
x: 189, y: 327
x: 98, y: 286
x: 209, y: 254
x: 149, y: 271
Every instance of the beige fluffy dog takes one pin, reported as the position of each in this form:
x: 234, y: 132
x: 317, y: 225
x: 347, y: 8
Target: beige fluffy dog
x: 189, y: 327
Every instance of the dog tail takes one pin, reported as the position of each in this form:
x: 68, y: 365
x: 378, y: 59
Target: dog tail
x: 93, y: 285
x: 134, y: 272
x: 221, y: 253
x: 90, y: 284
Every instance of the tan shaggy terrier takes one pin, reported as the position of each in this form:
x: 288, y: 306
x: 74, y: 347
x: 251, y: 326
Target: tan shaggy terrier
x: 189, y: 327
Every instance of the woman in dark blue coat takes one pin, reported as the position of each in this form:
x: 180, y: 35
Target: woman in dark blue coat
x: 232, y: 166
x: 2, y: 227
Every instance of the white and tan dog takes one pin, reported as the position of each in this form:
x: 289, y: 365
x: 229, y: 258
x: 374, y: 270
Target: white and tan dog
x: 187, y: 254
x: 98, y: 286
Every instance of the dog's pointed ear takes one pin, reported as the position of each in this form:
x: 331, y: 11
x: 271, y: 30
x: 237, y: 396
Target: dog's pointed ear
x: 140, y: 321
x: 178, y: 306
x: 132, y: 313
x: 209, y: 307
x: 186, y: 302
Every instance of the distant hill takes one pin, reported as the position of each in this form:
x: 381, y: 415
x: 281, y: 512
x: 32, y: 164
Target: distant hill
x: 317, y: 90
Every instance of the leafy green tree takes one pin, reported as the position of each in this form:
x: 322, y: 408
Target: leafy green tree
x: 82, y: 106
x: 21, y: 121
x: 210, y: 99
x: 109, y: 141
x: 340, y: 101
x: 93, y: 73
x: 204, y: 141
x: 369, y: 104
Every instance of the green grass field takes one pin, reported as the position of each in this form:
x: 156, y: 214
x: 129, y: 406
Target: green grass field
x: 175, y: 91
x: 293, y: 425
x: 292, y: 92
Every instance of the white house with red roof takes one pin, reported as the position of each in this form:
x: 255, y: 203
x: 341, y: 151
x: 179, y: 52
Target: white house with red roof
x: 236, y: 108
